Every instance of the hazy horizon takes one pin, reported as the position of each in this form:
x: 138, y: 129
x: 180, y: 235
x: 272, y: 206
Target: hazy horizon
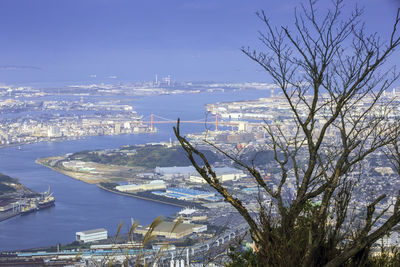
x: 66, y: 41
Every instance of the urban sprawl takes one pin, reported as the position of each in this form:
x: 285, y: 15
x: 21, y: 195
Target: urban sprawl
x: 206, y: 225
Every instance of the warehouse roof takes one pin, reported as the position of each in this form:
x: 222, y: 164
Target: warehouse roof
x: 190, y: 170
x: 94, y: 231
x: 167, y: 227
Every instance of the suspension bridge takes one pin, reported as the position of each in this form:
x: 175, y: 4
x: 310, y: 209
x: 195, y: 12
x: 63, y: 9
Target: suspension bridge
x: 155, y: 119
x: 151, y: 120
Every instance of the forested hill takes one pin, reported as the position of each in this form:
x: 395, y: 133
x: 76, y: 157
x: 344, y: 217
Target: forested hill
x: 149, y: 156
x: 6, y: 183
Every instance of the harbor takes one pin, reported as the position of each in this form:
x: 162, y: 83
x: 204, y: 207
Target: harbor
x: 85, y: 206
x: 11, y: 207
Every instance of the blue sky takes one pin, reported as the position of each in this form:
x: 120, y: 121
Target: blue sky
x: 63, y: 41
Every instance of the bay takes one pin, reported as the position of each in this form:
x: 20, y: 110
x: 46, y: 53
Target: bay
x: 80, y: 206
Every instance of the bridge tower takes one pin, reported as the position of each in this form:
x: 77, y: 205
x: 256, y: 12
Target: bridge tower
x: 216, y: 122
x: 151, y: 121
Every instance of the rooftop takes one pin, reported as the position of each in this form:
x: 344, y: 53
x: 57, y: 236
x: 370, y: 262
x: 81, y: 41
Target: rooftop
x: 188, y: 191
x: 167, y: 227
x: 93, y: 231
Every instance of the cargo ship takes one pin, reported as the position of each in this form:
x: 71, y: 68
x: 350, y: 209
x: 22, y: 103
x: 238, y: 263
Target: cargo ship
x: 29, y: 209
x: 46, y: 200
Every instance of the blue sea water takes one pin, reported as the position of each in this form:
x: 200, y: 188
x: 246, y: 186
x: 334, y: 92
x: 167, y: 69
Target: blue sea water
x: 80, y: 206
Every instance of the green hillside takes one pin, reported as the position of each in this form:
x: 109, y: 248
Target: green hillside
x: 149, y: 156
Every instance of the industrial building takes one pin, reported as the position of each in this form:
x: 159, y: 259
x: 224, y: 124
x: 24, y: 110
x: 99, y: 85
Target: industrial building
x: 187, y: 194
x: 171, y: 172
x: 222, y: 177
x: 172, y: 230
x: 91, y: 235
x: 188, y: 215
x: 153, y: 185
x: 223, y: 173
x: 129, y: 245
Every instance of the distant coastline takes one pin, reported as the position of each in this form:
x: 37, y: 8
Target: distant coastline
x: 56, y: 139
x: 59, y: 139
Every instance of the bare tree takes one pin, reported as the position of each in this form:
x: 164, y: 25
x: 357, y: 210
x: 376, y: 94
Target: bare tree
x: 333, y: 77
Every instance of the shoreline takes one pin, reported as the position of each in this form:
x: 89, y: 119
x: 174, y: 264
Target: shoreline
x: 140, y: 197
x: 61, y: 139
x: 97, y: 183
x: 64, y: 172
x: 71, y: 138
x: 5, y: 216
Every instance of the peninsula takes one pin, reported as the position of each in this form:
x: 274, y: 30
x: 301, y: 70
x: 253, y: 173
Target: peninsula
x: 156, y: 172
